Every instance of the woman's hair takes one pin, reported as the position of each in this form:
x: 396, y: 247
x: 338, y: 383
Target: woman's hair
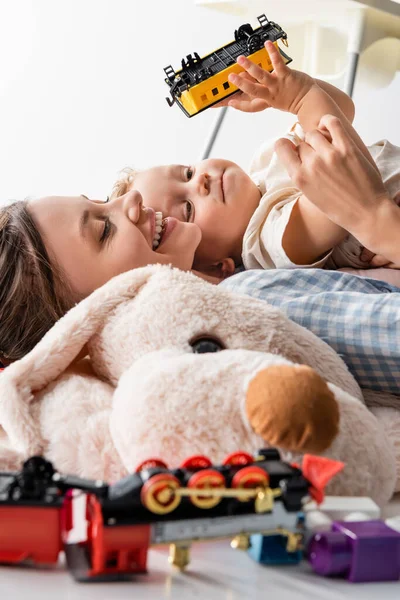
x: 33, y: 292
x: 124, y: 182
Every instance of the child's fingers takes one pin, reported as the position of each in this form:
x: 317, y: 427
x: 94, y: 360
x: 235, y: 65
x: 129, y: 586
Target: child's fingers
x: 379, y: 261
x: 373, y: 260
x: 251, y: 87
x: 249, y: 105
x: 258, y: 73
x: 276, y: 58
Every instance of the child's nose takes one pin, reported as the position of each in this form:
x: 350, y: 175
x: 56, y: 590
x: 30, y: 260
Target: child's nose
x: 203, y: 184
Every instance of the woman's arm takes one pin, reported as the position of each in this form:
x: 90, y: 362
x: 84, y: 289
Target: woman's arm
x: 338, y: 179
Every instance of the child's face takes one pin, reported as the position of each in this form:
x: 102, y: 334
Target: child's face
x: 215, y: 194
x: 92, y: 240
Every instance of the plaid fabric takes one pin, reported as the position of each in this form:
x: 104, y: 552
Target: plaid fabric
x: 358, y: 317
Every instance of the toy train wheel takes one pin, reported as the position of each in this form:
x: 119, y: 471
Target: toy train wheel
x: 158, y: 494
x: 238, y: 458
x: 243, y: 32
x: 197, y: 461
x: 251, y: 477
x: 207, y: 479
x: 254, y: 43
x: 151, y: 463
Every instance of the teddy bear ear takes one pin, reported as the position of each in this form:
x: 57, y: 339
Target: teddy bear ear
x: 55, y: 352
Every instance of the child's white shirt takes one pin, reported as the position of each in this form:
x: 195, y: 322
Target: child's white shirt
x: 262, y: 242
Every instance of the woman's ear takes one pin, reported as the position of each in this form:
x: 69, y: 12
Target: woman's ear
x: 218, y: 271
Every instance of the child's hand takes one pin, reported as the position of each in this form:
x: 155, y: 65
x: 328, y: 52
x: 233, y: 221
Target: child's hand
x: 283, y: 89
x: 376, y: 260
x: 243, y: 101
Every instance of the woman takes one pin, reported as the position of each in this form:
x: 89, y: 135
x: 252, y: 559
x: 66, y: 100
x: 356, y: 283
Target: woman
x: 55, y: 251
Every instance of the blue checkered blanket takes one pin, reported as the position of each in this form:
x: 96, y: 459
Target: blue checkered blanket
x: 358, y: 317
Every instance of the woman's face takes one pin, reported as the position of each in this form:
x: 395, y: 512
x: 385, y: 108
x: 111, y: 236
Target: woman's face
x: 93, y: 240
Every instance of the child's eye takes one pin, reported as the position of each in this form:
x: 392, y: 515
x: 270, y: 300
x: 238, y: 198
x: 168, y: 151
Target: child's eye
x: 107, y: 200
x: 189, y: 173
x: 189, y: 210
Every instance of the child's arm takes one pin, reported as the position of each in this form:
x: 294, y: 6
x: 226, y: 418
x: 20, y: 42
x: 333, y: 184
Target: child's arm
x: 309, y: 233
x: 295, y: 92
x: 344, y: 102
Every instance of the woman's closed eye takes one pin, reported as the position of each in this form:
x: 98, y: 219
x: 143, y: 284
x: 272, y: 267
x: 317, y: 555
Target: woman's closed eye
x: 106, y: 231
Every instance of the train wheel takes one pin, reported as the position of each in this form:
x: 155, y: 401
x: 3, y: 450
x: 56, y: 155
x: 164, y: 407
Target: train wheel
x: 238, y: 458
x: 207, y: 479
x: 158, y: 494
x: 197, y: 461
x: 251, y: 477
x: 150, y: 463
x: 254, y: 43
x: 243, y: 32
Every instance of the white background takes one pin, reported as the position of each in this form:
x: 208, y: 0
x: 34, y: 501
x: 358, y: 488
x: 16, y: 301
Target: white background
x: 82, y: 92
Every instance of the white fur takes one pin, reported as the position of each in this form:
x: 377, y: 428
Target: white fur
x: 149, y: 395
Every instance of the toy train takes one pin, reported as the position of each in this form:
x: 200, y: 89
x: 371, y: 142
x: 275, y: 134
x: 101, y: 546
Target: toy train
x: 202, y: 82
x: 154, y: 505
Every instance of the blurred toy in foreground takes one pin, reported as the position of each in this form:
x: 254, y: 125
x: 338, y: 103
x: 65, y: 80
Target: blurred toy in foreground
x: 261, y: 502
x: 155, y: 505
x: 361, y: 552
x: 343, y: 537
x: 346, y: 538
x: 202, y: 82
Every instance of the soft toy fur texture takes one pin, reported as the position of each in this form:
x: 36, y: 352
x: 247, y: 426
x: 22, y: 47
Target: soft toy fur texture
x: 142, y: 392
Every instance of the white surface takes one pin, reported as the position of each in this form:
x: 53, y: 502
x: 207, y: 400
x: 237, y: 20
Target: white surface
x: 216, y: 572
x: 82, y: 90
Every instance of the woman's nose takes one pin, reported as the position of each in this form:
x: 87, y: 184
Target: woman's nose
x: 132, y: 203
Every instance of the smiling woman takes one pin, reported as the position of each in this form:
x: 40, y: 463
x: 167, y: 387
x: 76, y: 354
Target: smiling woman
x: 56, y: 250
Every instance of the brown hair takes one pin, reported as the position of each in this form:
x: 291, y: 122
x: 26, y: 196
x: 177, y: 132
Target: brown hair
x: 33, y: 292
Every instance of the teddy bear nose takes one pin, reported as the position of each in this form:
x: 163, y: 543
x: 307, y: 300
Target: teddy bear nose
x: 205, y: 345
x: 292, y: 407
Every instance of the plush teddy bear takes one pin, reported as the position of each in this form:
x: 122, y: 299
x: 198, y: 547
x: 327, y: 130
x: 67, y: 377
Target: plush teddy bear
x: 176, y: 367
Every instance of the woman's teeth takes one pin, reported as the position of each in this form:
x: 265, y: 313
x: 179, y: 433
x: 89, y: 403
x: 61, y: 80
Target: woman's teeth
x: 158, y: 230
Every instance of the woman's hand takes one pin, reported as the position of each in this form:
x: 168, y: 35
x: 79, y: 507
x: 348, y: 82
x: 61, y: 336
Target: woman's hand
x: 283, y: 89
x: 338, y: 179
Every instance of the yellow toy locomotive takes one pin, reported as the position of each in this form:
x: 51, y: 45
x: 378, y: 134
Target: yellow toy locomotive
x: 202, y: 82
